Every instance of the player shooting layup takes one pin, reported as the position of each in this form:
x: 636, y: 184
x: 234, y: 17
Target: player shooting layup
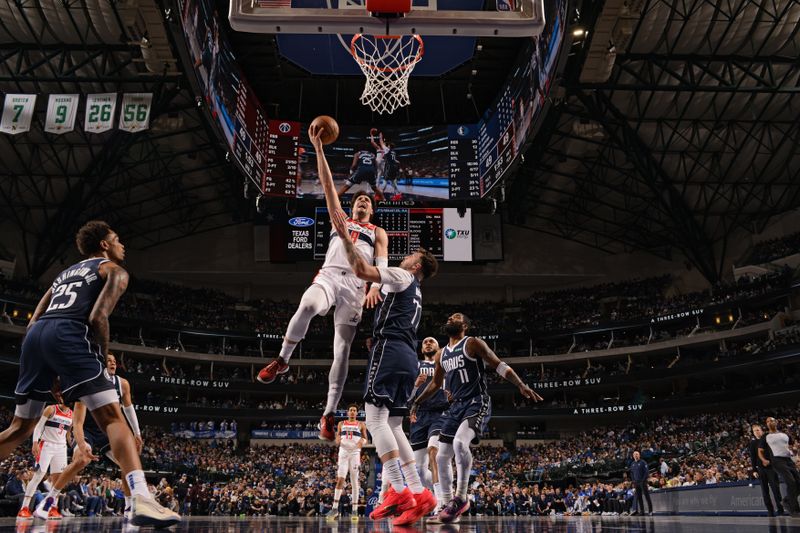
x: 336, y: 286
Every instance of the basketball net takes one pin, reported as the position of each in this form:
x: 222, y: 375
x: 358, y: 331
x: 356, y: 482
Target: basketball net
x: 387, y: 62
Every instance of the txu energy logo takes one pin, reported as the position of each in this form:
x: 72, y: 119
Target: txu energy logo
x: 451, y: 233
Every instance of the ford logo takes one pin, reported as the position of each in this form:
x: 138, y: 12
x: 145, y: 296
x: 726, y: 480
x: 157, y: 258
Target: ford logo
x: 301, y: 222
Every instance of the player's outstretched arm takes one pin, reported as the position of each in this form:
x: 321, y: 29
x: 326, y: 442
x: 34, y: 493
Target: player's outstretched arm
x: 116, y: 284
x: 478, y: 347
x: 325, y: 175
x: 130, y: 414
x: 434, y: 385
x: 78, y: 417
x: 361, y: 268
x: 372, y: 133
x: 381, y: 259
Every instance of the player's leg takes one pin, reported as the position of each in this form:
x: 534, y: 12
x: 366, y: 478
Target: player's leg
x: 463, y: 455
x: 104, y: 407
x: 315, y: 301
x: 32, y: 390
x: 433, y: 450
x: 398, y: 498
x: 40, y: 471
x: 355, y: 485
x: 126, y: 490
x: 343, y: 335
x: 341, y: 474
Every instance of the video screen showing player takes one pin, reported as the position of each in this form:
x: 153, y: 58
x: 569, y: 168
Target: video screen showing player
x: 398, y: 164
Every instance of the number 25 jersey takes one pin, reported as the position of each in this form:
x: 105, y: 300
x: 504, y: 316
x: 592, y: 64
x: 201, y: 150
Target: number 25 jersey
x: 75, y: 291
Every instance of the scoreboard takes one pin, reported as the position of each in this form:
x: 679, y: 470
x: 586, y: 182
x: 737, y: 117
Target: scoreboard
x: 442, y: 231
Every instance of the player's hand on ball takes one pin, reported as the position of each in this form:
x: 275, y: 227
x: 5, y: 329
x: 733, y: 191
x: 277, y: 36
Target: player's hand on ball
x: 315, y: 136
x: 373, y: 131
x: 373, y: 297
x: 529, y: 393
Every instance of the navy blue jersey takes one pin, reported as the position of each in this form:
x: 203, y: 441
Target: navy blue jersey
x: 398, y: 315
x: 366, y: 159
x: 437, y: 402
x: 75, y: 291
x: 390, y: 159
x: 464, y: 376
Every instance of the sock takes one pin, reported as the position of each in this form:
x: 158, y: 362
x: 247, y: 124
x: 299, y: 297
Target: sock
x: 137, y: 483
x: 337, y: 495
x: 393, y: 472
x: 128, y: 502
x: 287, y: 349
x: 444, y: 459
x: 54, y: 493
x: 463, y: 459
x: 412, y: 477
x: 26, y: 502
x: 437, y: 491
x: 355, y: 500
x: 384, y: 487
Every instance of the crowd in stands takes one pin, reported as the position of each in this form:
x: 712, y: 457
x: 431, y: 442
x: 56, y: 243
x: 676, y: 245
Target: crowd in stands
x: 583, y: 473
x: 177, y: 306
x: 766, y: 251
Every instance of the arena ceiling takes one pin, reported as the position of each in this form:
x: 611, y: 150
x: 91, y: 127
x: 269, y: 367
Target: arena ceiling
x: 688, y: 135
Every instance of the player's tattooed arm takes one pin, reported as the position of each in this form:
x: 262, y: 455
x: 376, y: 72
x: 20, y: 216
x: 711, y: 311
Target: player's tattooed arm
x: 478, y: 347
x: 41, y: 307
x: 116, y: 284
x: 325, y: 175
x: 434, y: 385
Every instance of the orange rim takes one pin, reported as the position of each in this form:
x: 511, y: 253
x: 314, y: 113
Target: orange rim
x: 361, y: 61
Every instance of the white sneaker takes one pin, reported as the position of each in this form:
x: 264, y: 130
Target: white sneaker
x: 147, y: 512
x: 127, y: 515
x: 41, y: 511
x: 66, y: 513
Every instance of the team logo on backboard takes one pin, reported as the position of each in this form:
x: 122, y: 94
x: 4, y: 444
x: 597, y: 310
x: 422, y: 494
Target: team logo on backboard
x: 284, y: 127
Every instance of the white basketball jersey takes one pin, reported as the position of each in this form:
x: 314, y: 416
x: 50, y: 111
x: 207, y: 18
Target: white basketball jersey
x: 363, y: 235
x: 56, y: 427
x: 351, y: 434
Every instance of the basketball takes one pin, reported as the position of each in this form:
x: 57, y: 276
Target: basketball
x: 330, y: 127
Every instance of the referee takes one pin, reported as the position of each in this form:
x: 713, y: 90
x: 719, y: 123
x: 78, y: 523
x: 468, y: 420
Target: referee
x: 768, y: 478
x: 777, y: 444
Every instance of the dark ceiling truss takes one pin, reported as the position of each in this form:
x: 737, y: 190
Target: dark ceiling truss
x: 153, y: 186
x: 691, y: 141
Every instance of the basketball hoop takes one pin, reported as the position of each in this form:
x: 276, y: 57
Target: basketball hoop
x: 387, y: 62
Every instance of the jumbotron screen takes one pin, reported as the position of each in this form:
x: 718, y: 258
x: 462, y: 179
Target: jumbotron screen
x: 441, y: 230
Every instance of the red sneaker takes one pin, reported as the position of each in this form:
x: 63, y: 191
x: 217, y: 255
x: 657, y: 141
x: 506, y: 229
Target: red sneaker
x: 270, y: 372
x: 426, y: 502
x: 327, y: 427
x: 397, y: 197
x: 394, y: 503
x: 53, y: 514
x: 24, y: 514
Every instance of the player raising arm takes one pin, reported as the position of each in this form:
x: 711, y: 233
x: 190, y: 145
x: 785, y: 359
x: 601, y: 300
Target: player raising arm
x: 335, y: 285
x: 462, y: 367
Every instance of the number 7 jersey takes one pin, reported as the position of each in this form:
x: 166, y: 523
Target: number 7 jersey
x: 75, y: 291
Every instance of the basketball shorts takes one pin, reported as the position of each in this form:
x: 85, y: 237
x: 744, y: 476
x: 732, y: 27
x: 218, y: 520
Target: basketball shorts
x: 476, y: 410
x: 362, y: 175
x: 51, y: 456
x: 345, y: 292
x: 59, y: 347
x: 391, y: 372
x: 348, y: 460
x: 428, y: 424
